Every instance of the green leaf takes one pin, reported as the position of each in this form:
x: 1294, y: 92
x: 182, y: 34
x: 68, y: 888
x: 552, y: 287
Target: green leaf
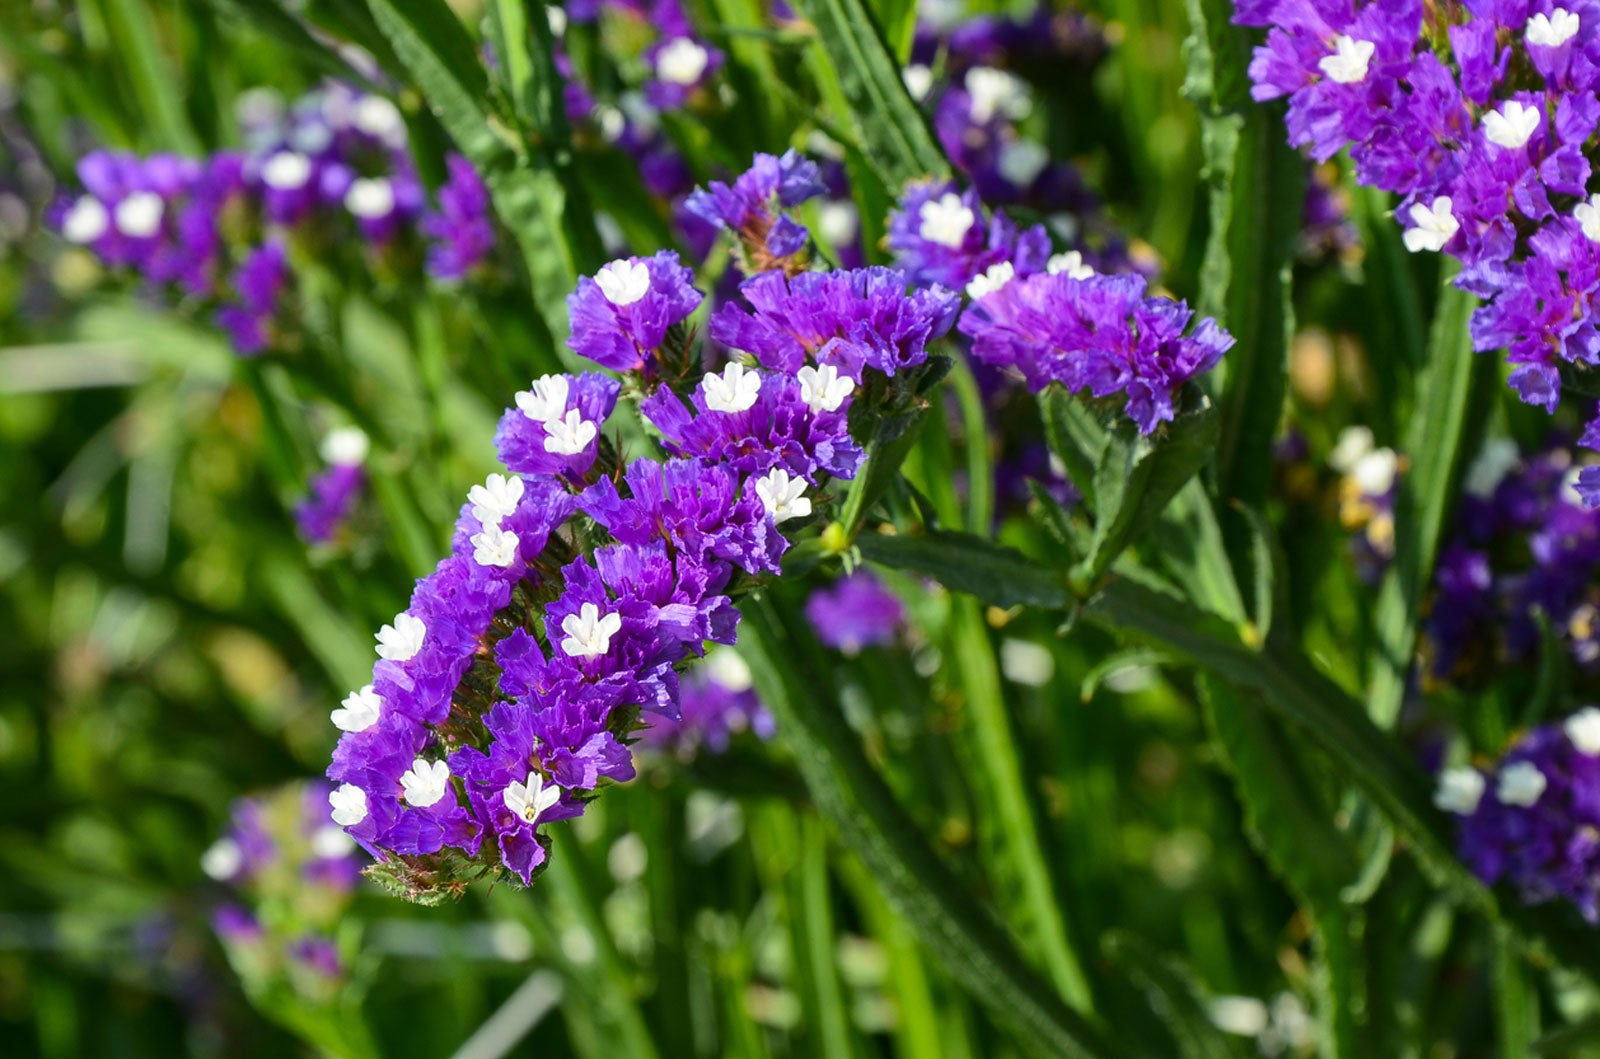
x: 270, y: 18
x: 1175, y: 995
x: 998, y: 575
x: 1189, y: 541
x: 888, y: 125
x: 1075, y: 436
x: 1516, y: 998
x: 156, y: 86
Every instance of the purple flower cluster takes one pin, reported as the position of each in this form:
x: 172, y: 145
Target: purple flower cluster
x: 938, y: 236
x: 855, y: 612
x: 1534, y: 818
x: 1103, y: 334
x: 1478, y: 117
x: 336, y: 490
x: 221, y: 230
x: 716, y: 703
x: 752, y: 208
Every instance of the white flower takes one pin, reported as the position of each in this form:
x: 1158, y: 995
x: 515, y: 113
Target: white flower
x: 346, y: 447
x: 370, y: 198
x: 1374, y: 473
x: 546, y: 400
x: 838, y: 221
x: 85, y: 221
x: 556, y: 19
x: 495, y: 547
x: 1513, y: 125
x: 349, y: 805
x: 1459, y: 791
x: 286, y: 171
x: 425, y: 782
x: 624, y: 282
x: 380, y: 119
x: 1569, y: 487
x: 735, y: 390
x: 139, y: 215
x: 1353, y: 443
x: 401, y: 641
x: 997, y: 276
x: 1496, y: 459
x: 588, y: 632
x: 1348, y: 63
x: 1583, y: 728
x: 682, y: 62
x: 726, y: 667
x: 1071, y: 263
x: 782, y: 496
x: 1587, y: 215
x: 1520, y: 784
x: 530, y: 800
x: 945, y: 220
x: 1435, y: 225
x: 823, y: 389
x: 328, y: 843
x: 223, y: 860
x: 611, y: 121
x: 996, y: 92
x: 569, y: 436
x: 1552, y: 31
x: 1021, y: 162
x: 918, y: 79
x: 495, y: 498
x: 358, y: 712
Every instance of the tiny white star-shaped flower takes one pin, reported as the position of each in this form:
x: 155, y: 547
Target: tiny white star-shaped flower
x: 1021, y: 162
x: 1354, y: 443
x: 495, y: 547
x: 370, y: 198
x: 1348, y: 63
x: 139, y: 215
x: 1513, y: 125
x: 346, y: 447
x: 1520, y: 784
x: 401, y: 641
x: 569, y: 435
x: 993, y: 278
x: 1583, y: 728
x: 623, y: 282
x: 838, y: 221
x: 556, y: 18
x: 1459, y: 791
x: 532, y: 798
x: 1070, y: 263
x: 823, y: 389
x: 349, y: 805
x: 85, y: 220
x: 545, y: 399
x: 1375, y: 472
x: 380, y: 119
x: 682, y: 62
x: 1587, y: 214
x: 996, y: 92
x: 222, y: 860
x: 918, y: 80
x: 329, y: 843
x: 358, y: 712
x: 1435, y: 225
x: 496, y: 498
x: 589, y: 632
x: 945, y: 220
x: 425, y: 782
x: 735, y: 390
x: 783, y: 497
x: 286, y: 171
x: 1553, y: 30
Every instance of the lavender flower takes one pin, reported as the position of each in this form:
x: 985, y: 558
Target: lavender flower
x: 716, y: 703
x: 855, y: 612
x: 336, y: 491
x: 461, y: 230
x: 622, y: 317
x: 939, y: 237
x: 752, y: 208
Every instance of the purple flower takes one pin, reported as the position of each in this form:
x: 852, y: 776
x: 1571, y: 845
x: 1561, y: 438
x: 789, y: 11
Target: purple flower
x: 939, y: 237
x: 621, y: 317
x: 462, y: 229
x: 716, y: 702
x: 855, y: 612
x: 680, y: 65
x: 751, y: 207
x: 555, y: 427
x: 258, y: 285
x: 334, y: 492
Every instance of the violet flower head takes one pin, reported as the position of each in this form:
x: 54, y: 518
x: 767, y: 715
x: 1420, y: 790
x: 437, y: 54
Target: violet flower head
x: 855, y: 612
x: 461, y: 230
x: 752, y: 208
x: 258, y: 286
x: 939, y: 237
x: 336, y: 490
x: 555, y: 426
x: 680, y: 66
x: 717, y: 703
x: 623, y: 315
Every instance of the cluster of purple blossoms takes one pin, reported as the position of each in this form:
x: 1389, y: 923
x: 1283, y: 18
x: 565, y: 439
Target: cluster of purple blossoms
x: 1525, y: 551
x: 335, y: 492
x: 856, y: 612
x: 1479, y: 117
x: 752, y: 209
x: 505, y: 694
x: 1534, y: 818
x: 715, y: 703
x: 223, y: 230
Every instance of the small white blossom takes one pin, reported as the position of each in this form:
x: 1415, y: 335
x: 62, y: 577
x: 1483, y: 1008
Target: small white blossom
x: 222, y: 860
x: 349, y: 805
x: 358, y: 712
x: 1354, y: 443
x: 823, y: 389
x: 330, y: 843
x: 85, y: 221
x: 546, y: 400
x: 1552, y: 31
x: 495, y: 498
x: 995, y: 277
x: 838, y: 221
x: 945, y: 220
x: 1568, y: 492
x: 783, y: 496
x: 1513, y: 125
x: 139, y: 215
x: 1587, y: 214
x: 346, y: 447
x: 570, y: 435
x: 996, y: 92
x: 918, y: 80
x: 1375, y: 472
x: 401, y: 641
x: 1435, y: 225
x: 624, y: 282
x: 1348, y: 63
x: 1583, y: 728
x: 728, y: 669
x: 286, y: 171
x: 1459, y: 791
x: 495, y: 547
x: 735, y: 390
x: 370, y: 198
x: 1071, y: 263
x: 380, y: 119
x: 611, y: 122
x: 682, y: 62
x: 556, y: 19
x: 1021, y: 162
x: 589, y: 632
x: 529, y: 800
x: 1494, y: 462
x: 425, y: 782
x: 1520, y: 784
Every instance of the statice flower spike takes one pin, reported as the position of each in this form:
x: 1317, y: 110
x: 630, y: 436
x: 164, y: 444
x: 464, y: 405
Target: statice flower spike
x: 620, y: 326
x: 939, y: 236
x: 752, y: 209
